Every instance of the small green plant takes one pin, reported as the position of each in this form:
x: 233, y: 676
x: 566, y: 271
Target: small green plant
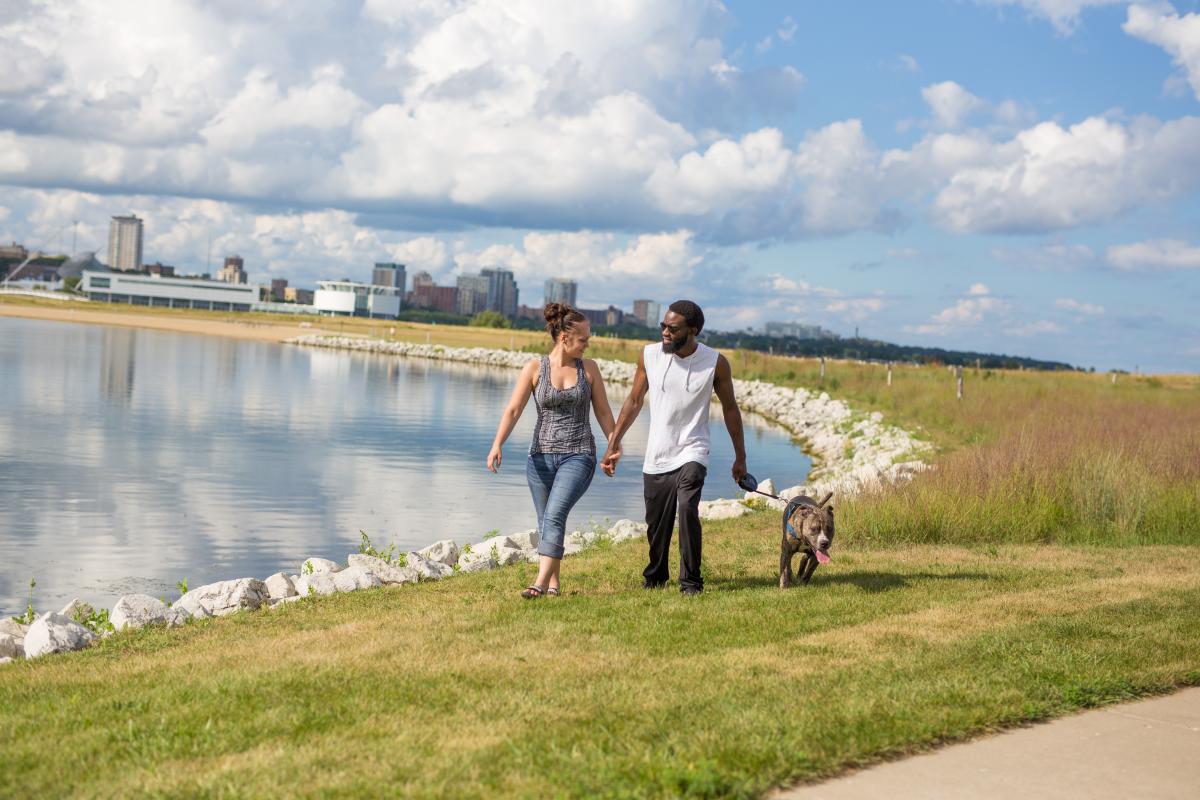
x: 466, y: 549
x: 388, y: 555
x: 307, y: 569
x: 182, y: 586
x: 29, y: 616
x: 97, y: 621
x: 492, y: 532
x: 495, y: 554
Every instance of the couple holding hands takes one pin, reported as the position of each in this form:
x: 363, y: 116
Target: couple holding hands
x: 679, y: 375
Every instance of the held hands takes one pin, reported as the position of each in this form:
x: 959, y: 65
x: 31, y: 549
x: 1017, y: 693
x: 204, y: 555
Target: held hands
x: 611, y: 457
x: 493, y: 459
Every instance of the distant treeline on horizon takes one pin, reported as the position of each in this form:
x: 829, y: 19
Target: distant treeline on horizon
x: 855, y: 349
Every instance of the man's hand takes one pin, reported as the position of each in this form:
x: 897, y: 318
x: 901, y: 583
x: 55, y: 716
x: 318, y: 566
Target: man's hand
x: 739, y: 469
x: 609, y: 462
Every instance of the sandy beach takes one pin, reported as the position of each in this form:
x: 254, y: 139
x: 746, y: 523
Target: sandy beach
x: 128, y: 317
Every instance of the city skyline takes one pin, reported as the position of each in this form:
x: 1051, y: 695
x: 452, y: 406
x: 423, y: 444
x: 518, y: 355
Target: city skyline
x: 896, y: 167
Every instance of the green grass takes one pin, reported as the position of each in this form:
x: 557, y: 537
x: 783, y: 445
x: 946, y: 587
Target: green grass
x: 461, y: 689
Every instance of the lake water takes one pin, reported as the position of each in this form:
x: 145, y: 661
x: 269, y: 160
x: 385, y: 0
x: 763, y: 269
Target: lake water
x: 132, y: 459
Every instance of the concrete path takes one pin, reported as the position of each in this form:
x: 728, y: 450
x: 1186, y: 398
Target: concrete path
x: 1147, y: 750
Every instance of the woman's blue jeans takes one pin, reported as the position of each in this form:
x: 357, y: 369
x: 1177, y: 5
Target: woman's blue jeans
x: 557, y: 481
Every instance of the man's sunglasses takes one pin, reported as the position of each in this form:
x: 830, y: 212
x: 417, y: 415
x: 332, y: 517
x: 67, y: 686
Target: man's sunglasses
x: 671, y: 328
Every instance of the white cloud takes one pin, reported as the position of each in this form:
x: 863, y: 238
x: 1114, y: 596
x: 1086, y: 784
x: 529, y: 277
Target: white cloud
x: 1179, y: 36
x: 422, y: 253
x: 950, y: 103
x: 908, y: 63
x: 966, y: 312
x: 857, y: 308
x: 1063, y: 14
x: 1049, y: 256
x: 1087, y: 309
x: 787, y: 30
x: 724, y: 175
x: 1049, y: 177
x: 1036, y: 328
x: 1155, y: 254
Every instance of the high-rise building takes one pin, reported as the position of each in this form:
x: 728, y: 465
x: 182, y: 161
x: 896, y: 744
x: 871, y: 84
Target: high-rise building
x: 388, y: 274
x: 422, y: 278
x: 501, y: 291
x: 233, y: 271
x: 278, y: 289
x: 648, y: 312
x: 560, y: 290
x: 472, y: 294
x: 125, y: 243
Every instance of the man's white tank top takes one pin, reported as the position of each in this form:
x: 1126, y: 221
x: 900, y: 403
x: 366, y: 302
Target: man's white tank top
x: 680, y: 393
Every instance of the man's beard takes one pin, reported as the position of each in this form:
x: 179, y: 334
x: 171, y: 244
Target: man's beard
x: 674, y: 344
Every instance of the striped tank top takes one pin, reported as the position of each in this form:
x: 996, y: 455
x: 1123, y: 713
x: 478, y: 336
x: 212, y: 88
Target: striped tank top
x: 562, y: 414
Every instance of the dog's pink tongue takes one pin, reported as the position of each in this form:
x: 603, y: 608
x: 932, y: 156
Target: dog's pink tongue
x: 822, y: 558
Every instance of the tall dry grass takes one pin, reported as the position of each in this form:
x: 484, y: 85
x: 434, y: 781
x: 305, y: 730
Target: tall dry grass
x: 1068, y: 468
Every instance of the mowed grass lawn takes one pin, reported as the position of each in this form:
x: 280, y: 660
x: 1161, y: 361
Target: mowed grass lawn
x: 462, y: 689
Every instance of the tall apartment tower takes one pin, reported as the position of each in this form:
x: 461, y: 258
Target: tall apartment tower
x: 501, y: 291
x: 125, y: 243
x: 648, y: 311
x: 561, y: 290
x: 233, y: 271
x: 472, y: 294
x: 388, y: 274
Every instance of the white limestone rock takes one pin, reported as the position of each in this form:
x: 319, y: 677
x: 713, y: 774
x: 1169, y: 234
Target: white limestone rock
x: 626, y: 530
x: 476, y: 561
x: 443, y: 552
x: 138, y: 611
x: 526, y: 540
x: 495, y: 543
x: 279, y: 602
x: 280, y: 585
x: 355, y: 577
x: 177, y: 616
x: 767, y: 486
x: 318, y: 566
x: 77, y: 610
x: 13, y: 628
x: 319, y: 584
x: 5, y: 660
x: 509, y: 555
x: 10, y: 647
x: 224, y: 597
x: 722, y: 509
x: 429, y: 570
x: 388, y: 573
x: 54, y: 633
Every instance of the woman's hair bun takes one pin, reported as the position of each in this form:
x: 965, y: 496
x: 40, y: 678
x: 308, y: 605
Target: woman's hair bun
x: 553, y: 312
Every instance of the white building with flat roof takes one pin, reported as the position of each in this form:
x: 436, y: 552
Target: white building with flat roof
x: 153, y: 290
x: 357, y: 299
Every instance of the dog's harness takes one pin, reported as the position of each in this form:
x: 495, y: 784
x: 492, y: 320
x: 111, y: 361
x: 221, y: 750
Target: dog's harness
x: 792, y: 505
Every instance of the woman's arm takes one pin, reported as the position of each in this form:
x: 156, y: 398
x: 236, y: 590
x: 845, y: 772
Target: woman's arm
x: 600, y: 406
x: 512, y: 412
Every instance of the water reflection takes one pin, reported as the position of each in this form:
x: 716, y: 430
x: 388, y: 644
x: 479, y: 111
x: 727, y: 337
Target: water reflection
x: 240, y: 458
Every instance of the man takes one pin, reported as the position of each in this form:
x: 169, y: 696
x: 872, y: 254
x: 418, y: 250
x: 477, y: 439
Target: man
x: 680, y: 376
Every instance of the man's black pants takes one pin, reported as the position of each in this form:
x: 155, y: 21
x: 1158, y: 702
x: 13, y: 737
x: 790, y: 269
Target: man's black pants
x: 666, y: 492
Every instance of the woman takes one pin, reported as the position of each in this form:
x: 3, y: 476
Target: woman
x: 562, y: 458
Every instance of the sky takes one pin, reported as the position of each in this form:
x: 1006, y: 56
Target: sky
x: 1011, y: 176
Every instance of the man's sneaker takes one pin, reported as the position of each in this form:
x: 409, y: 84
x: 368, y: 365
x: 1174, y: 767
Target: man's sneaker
x: 690, y: 591
x: 652, y: 585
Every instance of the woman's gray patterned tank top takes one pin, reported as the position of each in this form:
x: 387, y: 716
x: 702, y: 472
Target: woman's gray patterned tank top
x: 563, y: 425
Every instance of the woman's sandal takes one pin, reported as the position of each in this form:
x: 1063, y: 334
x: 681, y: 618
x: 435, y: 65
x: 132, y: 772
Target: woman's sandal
x: 532, y: 592
x: 552, y: 592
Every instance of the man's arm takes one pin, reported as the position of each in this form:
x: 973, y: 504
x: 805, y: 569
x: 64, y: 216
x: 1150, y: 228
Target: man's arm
x: 629, y: 412
x: 723, y: 386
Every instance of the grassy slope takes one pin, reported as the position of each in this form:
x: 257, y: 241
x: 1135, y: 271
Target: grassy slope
x: 458, y: 687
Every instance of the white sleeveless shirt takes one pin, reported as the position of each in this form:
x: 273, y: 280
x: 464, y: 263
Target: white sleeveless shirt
x: 680, y: 393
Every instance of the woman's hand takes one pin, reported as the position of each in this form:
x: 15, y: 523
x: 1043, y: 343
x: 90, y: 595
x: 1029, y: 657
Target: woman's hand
x: 493, y: 459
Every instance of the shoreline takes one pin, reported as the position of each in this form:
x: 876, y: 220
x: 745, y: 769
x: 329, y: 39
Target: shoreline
x: 86, y: 315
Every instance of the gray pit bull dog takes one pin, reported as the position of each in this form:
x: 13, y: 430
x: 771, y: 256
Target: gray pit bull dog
x: 807, y: 529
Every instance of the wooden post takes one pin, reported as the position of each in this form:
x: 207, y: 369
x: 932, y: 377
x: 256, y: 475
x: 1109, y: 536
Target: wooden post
x: 1114, y: 379
x: 889, y: 373
x: 822, y: 367
x: 977, y: 362
x: 959, y: 381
